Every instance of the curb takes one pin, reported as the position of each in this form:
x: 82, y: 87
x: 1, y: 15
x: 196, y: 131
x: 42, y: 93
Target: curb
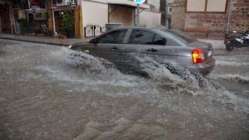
x: 36, y: 41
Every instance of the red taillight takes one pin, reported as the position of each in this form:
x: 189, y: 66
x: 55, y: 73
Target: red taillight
x: 197, y: 56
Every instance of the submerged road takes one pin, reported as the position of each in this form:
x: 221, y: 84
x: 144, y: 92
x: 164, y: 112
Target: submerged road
x: 51, y: 93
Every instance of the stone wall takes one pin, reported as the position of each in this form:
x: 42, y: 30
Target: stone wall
x: 205, y: 25
x: 240, y: 15
x: 211, y: 24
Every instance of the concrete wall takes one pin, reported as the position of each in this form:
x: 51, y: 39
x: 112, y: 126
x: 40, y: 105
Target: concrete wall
x: 178, y: 14
x: 94, y: 13
x: 155, y: 5
x: 150, y: 19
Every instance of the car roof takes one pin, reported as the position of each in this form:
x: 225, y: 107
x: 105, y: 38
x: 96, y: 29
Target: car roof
x: 139, y: 27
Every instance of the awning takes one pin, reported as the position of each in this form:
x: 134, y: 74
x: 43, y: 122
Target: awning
x: 121, y: 2
x: 128, y: 3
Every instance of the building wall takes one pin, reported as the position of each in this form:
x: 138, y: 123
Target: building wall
x: 240, y: 15
x: 150, y: 19
x: 166, y: 12
x: 155, y: 5
x: 100, y: 12
x: 202, y: 22
x: 211, y: 24
x: 95, y: 16
x: 178, y: 14
x: 94, y: 13
x: 5, y: 18
x: 121, y: 14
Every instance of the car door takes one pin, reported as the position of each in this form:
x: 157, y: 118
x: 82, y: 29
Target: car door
x: 108, y: 46
x: 151, y: 44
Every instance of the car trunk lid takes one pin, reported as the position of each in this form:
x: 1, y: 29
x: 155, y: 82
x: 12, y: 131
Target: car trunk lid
x: 206, y: 48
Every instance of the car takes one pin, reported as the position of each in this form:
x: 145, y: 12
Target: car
x: 122, y: 46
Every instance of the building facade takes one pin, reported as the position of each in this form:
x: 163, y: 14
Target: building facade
x: 151, y: 16
x: 97, y: 13
x: 210, y: 18
x: 73, y: 18
x: 39, y: 17
x: 6, y: 17
x: 166, y: 11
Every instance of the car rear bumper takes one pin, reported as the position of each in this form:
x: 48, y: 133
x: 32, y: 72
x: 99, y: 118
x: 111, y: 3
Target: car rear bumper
x: 204, y: 68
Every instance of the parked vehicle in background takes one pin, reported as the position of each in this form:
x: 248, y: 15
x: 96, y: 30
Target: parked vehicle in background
x: 121, y: 46
x: 236, y: 40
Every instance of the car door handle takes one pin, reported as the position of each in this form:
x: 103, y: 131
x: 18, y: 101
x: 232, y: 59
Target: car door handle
x: 151, y: 50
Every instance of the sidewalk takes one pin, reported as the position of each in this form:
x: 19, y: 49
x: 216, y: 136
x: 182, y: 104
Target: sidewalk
x: 41, y: 39
x: 217, y: 44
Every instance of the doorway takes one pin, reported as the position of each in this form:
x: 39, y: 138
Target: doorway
x: 5, y: 25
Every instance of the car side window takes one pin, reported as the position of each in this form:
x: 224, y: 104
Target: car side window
x: 115, y: 37
x: 158, y: 40
x: 141, y: 37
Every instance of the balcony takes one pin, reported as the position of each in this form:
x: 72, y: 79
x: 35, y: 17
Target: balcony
x: 59, y: 3
x: 127, y: 3
x: 122, y: 2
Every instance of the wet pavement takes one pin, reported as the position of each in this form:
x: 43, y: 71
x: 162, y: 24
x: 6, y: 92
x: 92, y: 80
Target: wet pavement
x: 52, y: 93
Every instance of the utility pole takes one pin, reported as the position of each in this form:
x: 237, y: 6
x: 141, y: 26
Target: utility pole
x: 137, y: 15
x: 166, y: 14
x: 29, y: 5
x: 51, y: 20
x: 138, y: 2
x: 229, y: 16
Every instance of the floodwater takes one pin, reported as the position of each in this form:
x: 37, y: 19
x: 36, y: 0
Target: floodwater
x: 50, y: 92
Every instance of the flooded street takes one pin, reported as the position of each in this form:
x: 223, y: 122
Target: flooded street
x: 53, y: 93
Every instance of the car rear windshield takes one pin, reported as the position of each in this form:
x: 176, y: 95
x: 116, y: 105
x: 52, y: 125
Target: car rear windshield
x: 181, y: 35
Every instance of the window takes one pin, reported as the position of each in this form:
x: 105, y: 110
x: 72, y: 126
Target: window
x: 216, y: 5
x: 141, y: 37
x: 158, y: 40
x: 196, y: 5
x: 115, y: 37
x: 206, y: 5
x: 171, y: 42
x: 146, y: 37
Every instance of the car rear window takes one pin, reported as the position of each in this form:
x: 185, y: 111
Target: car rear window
x: 141, y: 37
x: 180, y: 35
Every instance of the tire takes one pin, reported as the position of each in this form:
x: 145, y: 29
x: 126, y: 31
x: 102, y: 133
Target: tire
x: 229, y: 47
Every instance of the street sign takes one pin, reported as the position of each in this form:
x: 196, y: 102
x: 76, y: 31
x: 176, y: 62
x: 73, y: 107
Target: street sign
x: 139, y: 2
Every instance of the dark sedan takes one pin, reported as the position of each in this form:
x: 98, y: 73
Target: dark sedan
x: 121, y: 46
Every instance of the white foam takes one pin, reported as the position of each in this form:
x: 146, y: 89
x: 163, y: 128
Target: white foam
x: 231, y: 63
x: 233, y: 77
